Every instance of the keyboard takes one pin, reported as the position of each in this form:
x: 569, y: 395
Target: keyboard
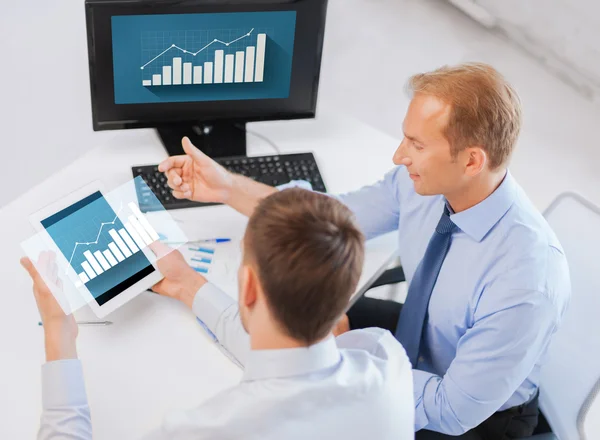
x: 272, y: 170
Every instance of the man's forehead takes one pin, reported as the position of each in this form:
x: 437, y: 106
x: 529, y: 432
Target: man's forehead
x: 429, y: 107
x: 427, y: 111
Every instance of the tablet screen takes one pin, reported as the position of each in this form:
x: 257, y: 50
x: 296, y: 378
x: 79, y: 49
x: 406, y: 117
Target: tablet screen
x: 99, y: 247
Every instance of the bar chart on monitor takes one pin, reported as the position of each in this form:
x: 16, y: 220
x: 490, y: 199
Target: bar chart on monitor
x: 199, y: 58
x: 221, y: 56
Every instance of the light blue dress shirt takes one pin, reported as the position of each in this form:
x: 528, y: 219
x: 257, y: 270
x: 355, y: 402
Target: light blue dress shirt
x: 354, y: 387
x: 500, y: 296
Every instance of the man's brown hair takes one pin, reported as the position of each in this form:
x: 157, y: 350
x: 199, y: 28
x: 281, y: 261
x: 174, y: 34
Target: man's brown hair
x: 308, y: 254
x: 486, y: 110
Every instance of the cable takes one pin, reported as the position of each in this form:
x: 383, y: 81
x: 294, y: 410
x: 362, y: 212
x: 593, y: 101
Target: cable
x: 267, y: 140
x: 260, y: 136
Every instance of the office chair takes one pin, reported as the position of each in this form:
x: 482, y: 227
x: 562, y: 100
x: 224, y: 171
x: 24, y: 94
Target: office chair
x: 570, y: 379
x: 390, y: 276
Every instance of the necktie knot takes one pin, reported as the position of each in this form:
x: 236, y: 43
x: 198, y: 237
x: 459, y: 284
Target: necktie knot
x: 445, y: 225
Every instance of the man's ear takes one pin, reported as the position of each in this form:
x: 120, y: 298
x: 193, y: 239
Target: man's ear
x: 476, y: 160
x: 249, y: 287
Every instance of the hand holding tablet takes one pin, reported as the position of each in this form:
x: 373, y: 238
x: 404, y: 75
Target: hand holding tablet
x: 102, y: 245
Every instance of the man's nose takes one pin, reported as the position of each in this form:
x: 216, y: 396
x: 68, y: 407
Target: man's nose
x: 400, y: 157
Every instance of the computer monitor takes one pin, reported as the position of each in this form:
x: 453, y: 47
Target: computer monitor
x: 203, y: 68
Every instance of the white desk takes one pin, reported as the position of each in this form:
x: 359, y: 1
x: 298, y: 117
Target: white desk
x: 155, y: 357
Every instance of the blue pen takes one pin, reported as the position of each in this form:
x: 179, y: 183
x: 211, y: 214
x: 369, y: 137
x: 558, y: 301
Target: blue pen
x: 214, y: 240
x: 208, y: 240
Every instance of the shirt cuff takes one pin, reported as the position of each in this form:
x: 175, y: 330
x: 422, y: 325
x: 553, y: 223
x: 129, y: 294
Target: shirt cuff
x: 296, y: 184
x: 209, y: 304
x: 421, y: 379
x: 62, y: 384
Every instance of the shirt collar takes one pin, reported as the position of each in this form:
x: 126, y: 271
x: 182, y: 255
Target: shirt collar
x: 478, y: 220
x: 288, y: 362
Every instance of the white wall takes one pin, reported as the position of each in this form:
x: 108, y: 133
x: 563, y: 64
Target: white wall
x: 563, y: 34
x: 45, y: 111
x: 371, y: 48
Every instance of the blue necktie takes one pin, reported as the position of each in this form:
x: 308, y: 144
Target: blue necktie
x: 414, y: 311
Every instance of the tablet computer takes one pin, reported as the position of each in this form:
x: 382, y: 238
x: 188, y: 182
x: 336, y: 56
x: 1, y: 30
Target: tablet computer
x: 102, y: 245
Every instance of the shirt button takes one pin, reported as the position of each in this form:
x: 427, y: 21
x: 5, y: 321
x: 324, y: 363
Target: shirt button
x: 421, y: 359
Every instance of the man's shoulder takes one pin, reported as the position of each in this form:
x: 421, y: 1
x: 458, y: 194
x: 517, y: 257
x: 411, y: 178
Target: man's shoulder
x: 375, y: 343
x: 524, y: 228
x: 529, y: 254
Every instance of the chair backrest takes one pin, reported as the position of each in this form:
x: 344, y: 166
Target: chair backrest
x: 570, y: 377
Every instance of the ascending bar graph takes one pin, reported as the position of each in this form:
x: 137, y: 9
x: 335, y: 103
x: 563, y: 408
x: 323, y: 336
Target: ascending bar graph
x: 176, y: 71
x: 117, y: 239
x: 218, y: 72
x: 136, y: 234
x: 229, y: 63
x: 187, y: 73
x: 242, y: 66
x: 109, y: 257
x: 167, y: 75
x: 239, y: 67
x: 208, y: 73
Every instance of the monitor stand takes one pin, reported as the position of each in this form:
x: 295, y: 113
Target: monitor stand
x: 217, y: 139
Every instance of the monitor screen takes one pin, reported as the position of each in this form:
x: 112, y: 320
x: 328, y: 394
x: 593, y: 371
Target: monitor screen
x: 155, y: 63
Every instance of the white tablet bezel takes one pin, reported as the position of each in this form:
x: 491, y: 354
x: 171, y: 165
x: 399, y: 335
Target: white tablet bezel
x: 125, y: 295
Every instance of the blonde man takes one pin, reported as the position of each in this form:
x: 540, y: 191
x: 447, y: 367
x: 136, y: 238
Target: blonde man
x: 488, y: 280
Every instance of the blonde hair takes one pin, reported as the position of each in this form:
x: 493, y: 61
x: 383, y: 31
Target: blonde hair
x: 486, y: 110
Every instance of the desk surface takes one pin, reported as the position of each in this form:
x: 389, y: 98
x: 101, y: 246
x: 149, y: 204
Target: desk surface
x: 155, y: 357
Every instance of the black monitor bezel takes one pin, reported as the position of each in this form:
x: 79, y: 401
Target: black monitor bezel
x: 312, y: 13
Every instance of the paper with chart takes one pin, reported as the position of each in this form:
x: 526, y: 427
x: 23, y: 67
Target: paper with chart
x: 96, y: 245
x: 218, y: 262
x: 221, y: 267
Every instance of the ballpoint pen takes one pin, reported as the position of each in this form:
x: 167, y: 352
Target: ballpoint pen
x: 212, y: 240
x: 86, y: 323
x: 207, y: 240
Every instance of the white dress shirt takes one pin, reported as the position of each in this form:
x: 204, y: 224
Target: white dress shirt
x: 357, y: 386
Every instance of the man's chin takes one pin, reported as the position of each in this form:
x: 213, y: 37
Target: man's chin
x: 419, y: 189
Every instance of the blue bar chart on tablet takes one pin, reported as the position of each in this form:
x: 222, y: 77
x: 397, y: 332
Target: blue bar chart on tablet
x: 103, y: 251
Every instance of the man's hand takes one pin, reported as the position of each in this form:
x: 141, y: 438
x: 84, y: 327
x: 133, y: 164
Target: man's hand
x: 196, y: 176
x: 180, y: 280
x: 342, y: 326
x: 60, y: 330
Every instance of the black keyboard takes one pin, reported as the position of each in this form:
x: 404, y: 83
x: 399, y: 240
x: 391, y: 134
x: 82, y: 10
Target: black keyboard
x: 271, y: 170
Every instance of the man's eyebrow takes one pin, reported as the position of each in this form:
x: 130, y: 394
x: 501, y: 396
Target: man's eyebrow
x: 412, y: 138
